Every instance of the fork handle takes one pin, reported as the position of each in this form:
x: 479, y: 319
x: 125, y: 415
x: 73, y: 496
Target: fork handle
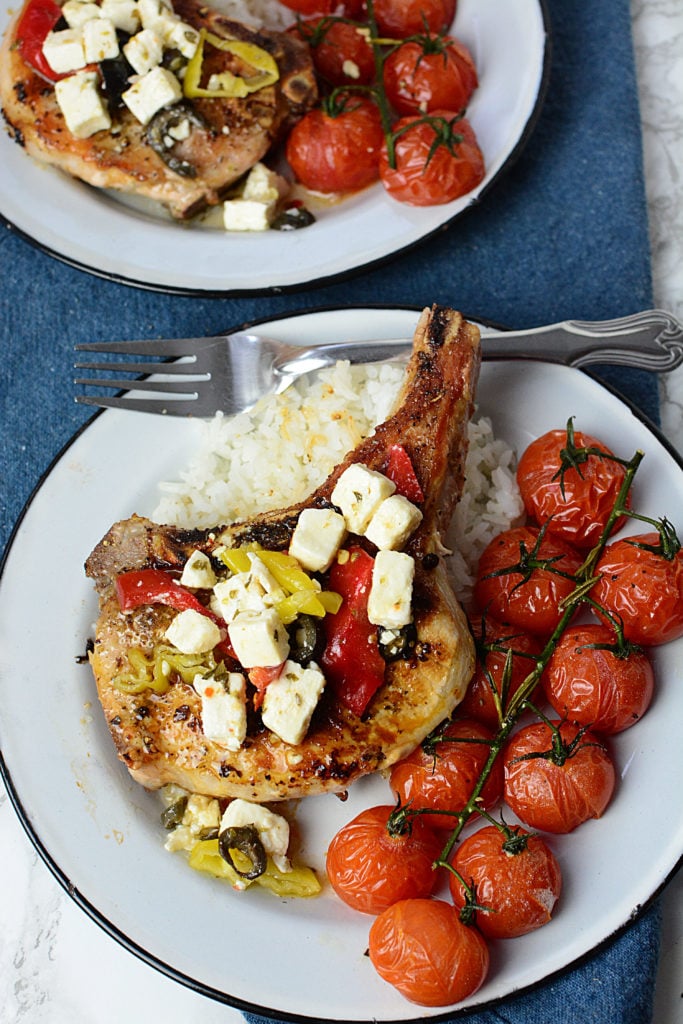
x: 651, y: 340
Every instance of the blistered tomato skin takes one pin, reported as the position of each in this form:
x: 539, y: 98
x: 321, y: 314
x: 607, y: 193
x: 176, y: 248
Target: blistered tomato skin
x: 577, y: 503
x: 423, y: 76
x: 397, y: 19
x: 337, y: 154
x: 423, y: 949
x: 443, y: 777
x: 370, y: 869
x: 642, y: 588
x: 516, y: 891
x: 595, y: 687
x: 554, y: 797
x: 425, y: 176
x: 533, y: 603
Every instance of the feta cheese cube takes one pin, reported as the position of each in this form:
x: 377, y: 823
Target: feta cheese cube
x: 156, y: 15
x: 198, y: 572
x: 63, y: 50
x: 254, y: 591
x: 318, y: 535
x: 123, y: 14
x: 224, y: 709
x: 99, y: 40
x: 180, y: 36
x: 259, y: 639
x: 193, y: 633
x: 272, y: 828
x: 290, y: 700
x: 201, y: 813
x: 247, y: 215
x: 76, y: 13
x: 393, y: 522
x: 158, y: 88
x: 80, y: 102
x: 264, y: 185
x: 359, y: 491
x: 391, y: 593
x: 144, y: 51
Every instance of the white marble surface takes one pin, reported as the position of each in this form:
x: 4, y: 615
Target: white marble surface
x: 56, y: 965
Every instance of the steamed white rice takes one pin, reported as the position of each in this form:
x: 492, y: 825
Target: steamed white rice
x: 277, y: 453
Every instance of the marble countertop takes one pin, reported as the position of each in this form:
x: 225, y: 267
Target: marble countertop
x: 56, y: 965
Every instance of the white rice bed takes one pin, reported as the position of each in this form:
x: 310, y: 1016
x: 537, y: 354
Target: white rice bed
x: 278, y: 452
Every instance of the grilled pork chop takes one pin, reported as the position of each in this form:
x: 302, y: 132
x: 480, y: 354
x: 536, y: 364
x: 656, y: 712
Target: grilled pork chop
x: 159, y: 736
x: 227, y: 136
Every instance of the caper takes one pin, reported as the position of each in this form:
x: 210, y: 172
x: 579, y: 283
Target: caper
x: 173, y: 815
x: 306, y: 639
x: 397, y: 644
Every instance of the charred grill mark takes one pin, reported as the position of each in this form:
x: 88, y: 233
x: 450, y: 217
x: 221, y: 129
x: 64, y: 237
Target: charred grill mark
x: 275, y: 535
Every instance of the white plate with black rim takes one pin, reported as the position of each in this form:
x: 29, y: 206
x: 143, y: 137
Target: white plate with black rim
x: 140, y: 244
x: 100, y: 833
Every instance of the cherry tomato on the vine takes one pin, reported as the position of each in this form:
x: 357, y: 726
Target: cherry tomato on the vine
x: 560, y: 475
x: 609, y: 690
x: 423, y: 949
x: 337, y: 152
x: 370, y: 869
x: 557, y: 776
x: 443, y: 771
x: 530, y: 596
x: 505, y: 657
x: 516, y: 878
x: 642, y: 587
x: 436, y: 159
x: 397, y: 19
x: 430, y: 73
x: 341, y: 53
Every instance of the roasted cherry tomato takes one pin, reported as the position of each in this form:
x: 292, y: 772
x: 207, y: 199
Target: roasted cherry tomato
x: 310, y: 7
x: 505, y: 657
x: 515, y: 876
x: 593, y: 680
x: 423, y: 949
x: 341, y: 52
x: 433, y: 72
x: 397, y: 19
x: 528, y: 597
x: 375, y: 861
x: 337, y: 151
x: 642, y: 583
x: 436, y: 159
x: 572, y: 478
x: 442, y: 772
x: 557, y: 776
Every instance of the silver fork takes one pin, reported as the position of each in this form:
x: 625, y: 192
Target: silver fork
x: 230, y: 372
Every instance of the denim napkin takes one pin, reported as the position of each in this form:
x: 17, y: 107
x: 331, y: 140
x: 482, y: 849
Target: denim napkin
x: 562, y: 235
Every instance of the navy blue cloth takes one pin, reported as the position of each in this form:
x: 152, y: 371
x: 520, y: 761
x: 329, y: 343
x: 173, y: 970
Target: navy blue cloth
x: 562, y: 235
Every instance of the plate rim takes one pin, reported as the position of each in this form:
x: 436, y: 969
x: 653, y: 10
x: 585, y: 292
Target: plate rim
x: 173, y: 973
x: 335, y: 277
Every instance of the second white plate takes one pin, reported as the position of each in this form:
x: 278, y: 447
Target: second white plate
x: 95, y: 231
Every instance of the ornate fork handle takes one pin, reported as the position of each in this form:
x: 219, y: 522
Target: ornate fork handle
x: 651, y: 340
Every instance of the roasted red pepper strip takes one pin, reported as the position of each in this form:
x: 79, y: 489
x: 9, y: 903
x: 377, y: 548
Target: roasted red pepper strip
x: 155, y: 586
x: 38, y: 18
x: 352, y: 664
x: 400, y: 471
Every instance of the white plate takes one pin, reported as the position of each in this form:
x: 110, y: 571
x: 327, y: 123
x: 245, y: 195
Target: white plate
x: 95, y: 231
x: 100, y: 833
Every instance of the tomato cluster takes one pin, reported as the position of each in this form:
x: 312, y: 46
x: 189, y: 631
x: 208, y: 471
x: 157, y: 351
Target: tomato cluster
x: 394, y: 88
x: 532, y: 732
